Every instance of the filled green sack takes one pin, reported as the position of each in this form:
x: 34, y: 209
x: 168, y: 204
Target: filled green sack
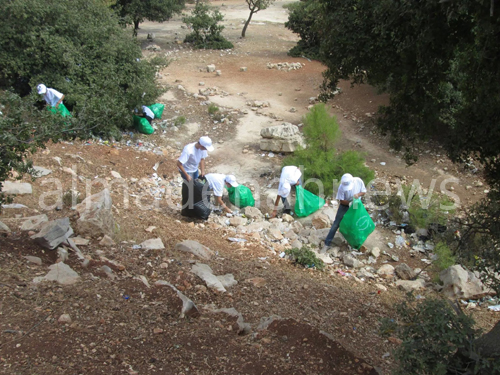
x: 306, y: 202
x: 142, y: 125
x: 157, y: 109
x: 356, y: 225
x: 241, y: 196
x: 61, y: 110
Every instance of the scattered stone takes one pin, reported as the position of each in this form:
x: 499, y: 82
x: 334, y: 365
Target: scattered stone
x: 188, y: 306
x: 320, y: 221
x: 19, y: 188
x: 257, y: 281
x: 106, y: 241
x: 381, y: 287
x: 375, y: 252
x: 116, y: 174
x: 60, y: 272
x: 195, y: 248
x: 243, y: 69
x: 227, y: 280
x: 242, y: 328
x: 53, y: 233
x: 253, y: 213
x: 275, y: 234
x: 460, y: 283
x: 236, y: 221
x: 350, y: 261
x: 287, y: 218
x: 211, y: 68
x: 150, y: 229
x: 386, y: 271
x: 204, y: 272
x: 32, y: 259
x: 64, y: 318
x: 404, y: 272
x: 153, y: 244
x: 62, y: 254
x: 34, y: 222
x: 96, y: 217
x: 41, y: 171
x: 4, y: 228
x: 410, y: 285
x: 80, y: 241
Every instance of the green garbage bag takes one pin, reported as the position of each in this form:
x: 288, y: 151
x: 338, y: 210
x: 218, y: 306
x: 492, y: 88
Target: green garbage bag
x: 306, y: 202
x: 61, y: 110
x: 356, y: 225
x: 142, y: 125
x: 157, y: 109
x: 241, y: 196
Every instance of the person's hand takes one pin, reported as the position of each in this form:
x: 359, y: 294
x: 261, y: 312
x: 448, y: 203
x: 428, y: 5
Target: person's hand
x: 273, y: 214
x: 188, y: 179
x: 356, y: 196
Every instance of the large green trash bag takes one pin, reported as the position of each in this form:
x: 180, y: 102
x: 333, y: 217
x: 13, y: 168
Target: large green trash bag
x: 142, y: 125
x: 241, y: 196
x: 356, y: 225
x: 306, y: 202
x: 61, y: 110
x: 157, y: 109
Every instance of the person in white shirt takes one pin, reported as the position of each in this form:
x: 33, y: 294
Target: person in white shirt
x: 216, y: 182
x: 350, y: 187
x: 146, y: 113
x: 290, y: 176
x: 51, y: 96
x: 192, y: 156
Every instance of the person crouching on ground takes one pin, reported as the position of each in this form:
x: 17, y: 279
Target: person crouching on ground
x: 216, y: 182
x: 290, y: 176
x: 51, y: 96
x: 192, y: 156
x: 350, y: 188
x: 147, y: 113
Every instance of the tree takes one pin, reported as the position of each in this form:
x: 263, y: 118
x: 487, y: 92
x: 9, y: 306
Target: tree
x: 136, y: 11
x: 78, y: 48
x: 254, y: 6
x: 320, y: 160
x: 205, y: 22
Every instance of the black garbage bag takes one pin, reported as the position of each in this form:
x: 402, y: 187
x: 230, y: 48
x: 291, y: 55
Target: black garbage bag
x: 193, y: 202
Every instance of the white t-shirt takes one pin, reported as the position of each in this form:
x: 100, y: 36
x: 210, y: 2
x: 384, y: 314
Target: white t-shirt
x: 52, y: 97
x: 148, y: 112
x: 289, y: 176
x: 191, y: 157
x: 216, y: 183
x: 348, y: 195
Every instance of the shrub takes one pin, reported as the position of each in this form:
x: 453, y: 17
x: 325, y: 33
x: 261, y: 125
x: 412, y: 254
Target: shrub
x: 78, y: 48
x: 320, y: 160
x: 206, y: 28
x: 437, y: 339
x: 305, y: 257
x: 179, y: 121
x: 71, y: 198
x: 212, y: 109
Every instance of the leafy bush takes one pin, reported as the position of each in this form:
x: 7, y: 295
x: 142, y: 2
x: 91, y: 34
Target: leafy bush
x: 78, y: 48
x: 305, y: 257
x: 206, y: 29
x: 437, y: 339
x: 212, y: 109
x: 320, y: 160
x: 179, y: 121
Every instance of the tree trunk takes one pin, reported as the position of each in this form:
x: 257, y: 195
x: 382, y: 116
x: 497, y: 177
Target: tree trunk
x: 136, y: 27
x: 252, y: 11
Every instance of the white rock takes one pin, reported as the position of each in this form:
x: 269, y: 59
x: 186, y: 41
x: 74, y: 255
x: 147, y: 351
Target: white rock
x: 153, y: 244
x: 18, y: 188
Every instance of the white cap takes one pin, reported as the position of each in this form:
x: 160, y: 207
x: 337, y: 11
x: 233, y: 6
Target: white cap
x: 347, y: 181
x: 207, y: 143
x: 41, y: 88
x: 231, y: 180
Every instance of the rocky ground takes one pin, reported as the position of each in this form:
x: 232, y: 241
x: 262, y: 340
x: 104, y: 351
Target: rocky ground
x: 143, y: 301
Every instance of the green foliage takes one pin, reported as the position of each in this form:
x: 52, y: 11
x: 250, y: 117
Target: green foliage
x: 320, y: 160
x: 212, y: 109
x: 302, y: 20
x: 179, y: 121
x: 136, y: 11
x: 78, y: 48
x: 305, y: 257
x: 438, y: 60
x: 479, y: 240
x: 254, y: 6
x: 71, y: 198
x: 206, y: 34
x: 23, y: 130
x: 445, y: 257
x: 436, y: 340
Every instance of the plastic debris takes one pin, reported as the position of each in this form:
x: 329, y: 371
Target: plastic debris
x: 282, y: 254
x: 494, y: 308
x: 233, y: 239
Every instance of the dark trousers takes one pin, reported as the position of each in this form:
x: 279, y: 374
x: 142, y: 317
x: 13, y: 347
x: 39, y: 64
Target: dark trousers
x: 335, y: 226
x: 286, y: 206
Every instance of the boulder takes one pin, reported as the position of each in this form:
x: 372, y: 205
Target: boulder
x: 4, y: 228
x: 460, y: 283
x: 153, y: 244
x: 281, y: 138
x: 96, y: 217
x: 404, y: 272
x: 350, y: 261
x: 320, y: 221
x: 195, y: 248
x: 53, y: 233
x: 60, y: 272
x: 410, y: 285
x: 16, y: 187
x: 237, y: 221
x: 253, y: 213
x: 386, y: 271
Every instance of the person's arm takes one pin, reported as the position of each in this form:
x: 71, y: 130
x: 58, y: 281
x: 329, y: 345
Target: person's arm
x: 275, y: 211
x: 181, y: 167
x: 202, y: 167
x: 60, y: 101
x: 359, y: 195
x: 222, y: 204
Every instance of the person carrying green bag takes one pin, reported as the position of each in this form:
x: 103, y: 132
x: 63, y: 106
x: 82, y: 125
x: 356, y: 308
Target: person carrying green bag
x: 54, y: 100
x: 290, y: 176
x: 350, y: 188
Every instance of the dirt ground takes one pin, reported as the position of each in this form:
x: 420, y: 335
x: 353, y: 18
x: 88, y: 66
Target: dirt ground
x: 329, y: 322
